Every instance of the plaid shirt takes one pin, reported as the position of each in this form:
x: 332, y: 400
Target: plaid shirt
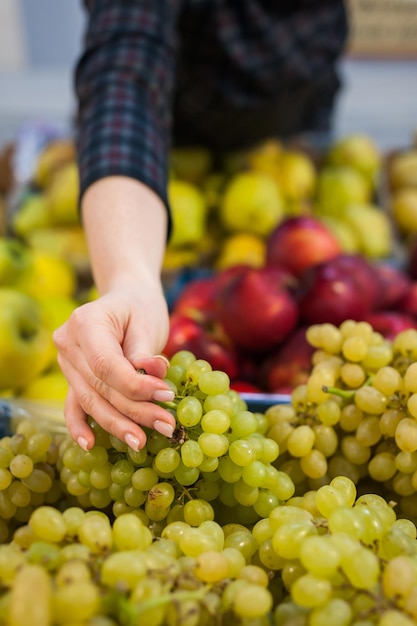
x: 219, y: 73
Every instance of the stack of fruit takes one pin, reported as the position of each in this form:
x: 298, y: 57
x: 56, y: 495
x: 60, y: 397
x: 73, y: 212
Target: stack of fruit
x: 254, y: 519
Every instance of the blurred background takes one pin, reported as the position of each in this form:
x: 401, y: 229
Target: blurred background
x: 40, y: 41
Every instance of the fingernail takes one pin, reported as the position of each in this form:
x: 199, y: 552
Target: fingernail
x: 164, y: 428
x: 132, y: 441
x: 163, y: 395
x: 83, y: 443
x: 165, y: 360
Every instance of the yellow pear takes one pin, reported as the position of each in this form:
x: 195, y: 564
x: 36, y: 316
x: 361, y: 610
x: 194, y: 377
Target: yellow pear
x: 48, y: 275
x: 67, y: 242
x: 372, y: 227
x: 241, y: 248
x: 188, y: 211
x: 51, y: 158
x: 33, y: 213
x: 403, y: 169
x: 337, y: 187
x: 62, y: 195
x: 404, y: 209
x: 359, y: 151
x: 50, y: 386
x: 251, y: 203
x: 297, y: 175
x: 343, y: 232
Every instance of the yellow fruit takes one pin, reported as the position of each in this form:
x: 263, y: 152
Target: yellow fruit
x: 188, y: 211
x: 51, y: 385
x: 177, y: 258
x: 404, y: 209
x: 30, y: 600
x: 266, y: 157
x: 403, y: 169
x: 52, y: 157
x: 33, y: 213
x: 372, y: 228
x: 67, y: 242
x: 338, y: 187
x: 251, y: 203
x: 358, y: 151
x: 62, y: 196
x: 56, y: 311
x: 343, y: 233
x: 241, y: 248
x: 25, y: 341
x: 297, y: 175
x: 48, y: 275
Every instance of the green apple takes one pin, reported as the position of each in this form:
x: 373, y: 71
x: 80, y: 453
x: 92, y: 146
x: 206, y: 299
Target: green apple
x: 252, y: 203
x: 403, y: 169
x: 25, y: 341
x: 15, y: 259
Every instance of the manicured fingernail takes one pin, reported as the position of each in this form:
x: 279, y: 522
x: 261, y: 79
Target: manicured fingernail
x: 165, y: 360
x: 83, y: 443
x: 164, y: 428
x: 132, y: 441
x: 163, y: 395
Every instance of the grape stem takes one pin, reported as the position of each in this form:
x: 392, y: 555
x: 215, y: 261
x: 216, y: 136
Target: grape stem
x: 168, y: 598
x: 346, y: 394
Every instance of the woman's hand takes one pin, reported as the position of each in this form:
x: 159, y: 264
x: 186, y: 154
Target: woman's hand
x: 100, y: 350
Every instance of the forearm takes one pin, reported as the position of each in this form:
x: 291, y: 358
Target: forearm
x: 125, y: 224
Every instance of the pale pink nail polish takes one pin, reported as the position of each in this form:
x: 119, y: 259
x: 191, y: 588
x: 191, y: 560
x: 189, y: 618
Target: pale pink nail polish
x: 132, y: 441
x: 164, y: 428
x: 83, y: 443
x: 163, y: 395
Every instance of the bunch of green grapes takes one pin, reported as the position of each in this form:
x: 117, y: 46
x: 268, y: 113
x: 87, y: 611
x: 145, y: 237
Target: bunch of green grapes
x: 77, y: 567
x: 357, y: 413
x: 342, y: 559
x: 28, y: 476
x: 219, y: 464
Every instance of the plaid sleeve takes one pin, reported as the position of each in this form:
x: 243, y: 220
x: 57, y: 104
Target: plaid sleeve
x: 124, y: 81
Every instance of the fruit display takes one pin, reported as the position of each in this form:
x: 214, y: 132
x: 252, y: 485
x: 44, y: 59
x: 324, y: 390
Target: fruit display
x: 304, y: 514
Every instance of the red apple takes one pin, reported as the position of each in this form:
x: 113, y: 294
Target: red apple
x: 394, y: 286
x: 203, y: 341
x: 257, y: 309
x: 300, y: 242
x: 290, y: 365
x: 390, y: 323
x: 408, y: 303
x: 342, y: 288
x: 197, y: 299
x: 245, y: 386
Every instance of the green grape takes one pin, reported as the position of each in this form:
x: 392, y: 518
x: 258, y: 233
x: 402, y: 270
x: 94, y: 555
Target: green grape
x: 228, y: 470
x: 207, y: 490
x: 220, y: 402
x: 336, y: 611
x: 209, y: 464
x: 122, y: 472
x: 377, y: 356
x: 95, y: 532
x: 189, y: 411
x: 368, y: 432
x: 191, y: 453
x: 161, y: 496
x: 406, y: 462
x: 288, y: 538
x: 382, y: 466
x: 235, y: 561
x: 328, y: 412
x: 186, y: 476
x: 213, y: 444
x: 325, y: 439
x: 301, y: 441
x: 406, y: 435
x: 5, y: 478
x: 412, y: 404
x: 166, y: 461
x: 352, y: 375
x: 252, y: 601
x: 38, y: 445
x: 267, y: 501
x: 197, y: 511
x: 354, y: 348
x: 361, y: 568
x: 241, y: 452
x: 194, y: 542
x: 48, y: 523
x: 245, y: 494
x: 254, y: 474
x: 354, y: 451
x: 211, y: 566
x: 94, y: 458
x: 196, y: 369
x: 183, y: 358
x: 156, y: 442
x: 311, y: 591
x: 99, y: 498
x: 214, y: 382
x: 270, y: 450
x: 314, y: 464
x: 350, y: 417
x: 101, y: 476
x: 129, y: 533
x: 242, y: 541
x: 215, y: 421
x: 19, y: 494
x: 124, y: 568
x: 242, y: 424
x: 144, y: 478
